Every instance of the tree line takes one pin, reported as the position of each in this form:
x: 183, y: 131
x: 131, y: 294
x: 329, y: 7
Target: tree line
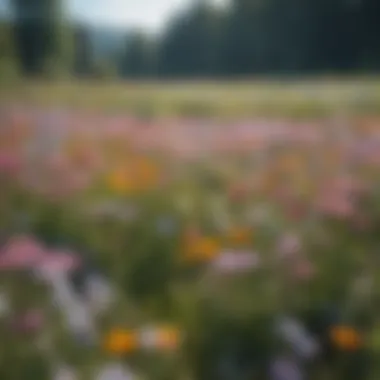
x: 250, y: 37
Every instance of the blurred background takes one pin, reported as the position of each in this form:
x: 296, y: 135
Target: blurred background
x: 189, y: 39
x: 189, y: 189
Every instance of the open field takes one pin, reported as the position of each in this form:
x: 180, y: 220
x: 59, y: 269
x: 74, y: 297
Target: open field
x: 308, y: 98
x: 171, y: 248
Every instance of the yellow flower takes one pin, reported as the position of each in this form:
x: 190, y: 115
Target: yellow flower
x: 345, y: 337
x: 121, y: 181
x: 201, y: 249
x: 120, y: 341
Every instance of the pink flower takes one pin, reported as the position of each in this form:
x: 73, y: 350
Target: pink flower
x: 289, y: 244
x: 239, y: 261
x: 336, y: 205
x: 58, y: 261
x: 59, y: 163
x: 9, y: 163
x: 21, y: 252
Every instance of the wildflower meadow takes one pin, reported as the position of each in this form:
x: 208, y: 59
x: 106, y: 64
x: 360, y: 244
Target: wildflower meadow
x: 188, y: 248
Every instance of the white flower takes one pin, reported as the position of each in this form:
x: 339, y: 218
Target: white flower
x: 115, y: 371
x: 295, y: 334
x: 63, y: 293
x: 100, y: 294
x: 77, y: 316
x: 79, y: 321
x: 148, y: 337
x: 63, y: 372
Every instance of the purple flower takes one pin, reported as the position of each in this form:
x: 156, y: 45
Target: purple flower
x: 285, y: 369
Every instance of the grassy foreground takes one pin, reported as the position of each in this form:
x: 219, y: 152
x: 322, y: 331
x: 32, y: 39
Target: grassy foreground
x: 286, y: 98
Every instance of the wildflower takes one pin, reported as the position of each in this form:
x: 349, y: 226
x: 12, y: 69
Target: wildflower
x: 57, y: 261
x: 120, y: 341
x: 285, y: 369
x: 63, y: 372
x: 289, y: 244
x: 345, y: 338
x: 99, y: 293
x: 201, y: 249
x: 21, y: 252
x: 79, y: 321
x: 115, y: 371
x: 9, y: 164
x: 161, y: 338
x: 294, y: 333
x: 236, y: 261
x: 168, y: 338
x: 76, y: 314
x: 148, y: 337
x: 121, y: 181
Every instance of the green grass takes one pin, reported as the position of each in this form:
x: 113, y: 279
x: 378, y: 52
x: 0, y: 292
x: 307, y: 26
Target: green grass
x: 303, y: 98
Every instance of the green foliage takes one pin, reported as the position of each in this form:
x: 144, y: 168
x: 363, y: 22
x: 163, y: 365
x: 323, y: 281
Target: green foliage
x: 248, y: 38
x: 9, y: 72
x: 41, y: 37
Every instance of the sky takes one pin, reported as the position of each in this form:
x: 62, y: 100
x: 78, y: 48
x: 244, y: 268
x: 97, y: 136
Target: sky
x: 148, y: 14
